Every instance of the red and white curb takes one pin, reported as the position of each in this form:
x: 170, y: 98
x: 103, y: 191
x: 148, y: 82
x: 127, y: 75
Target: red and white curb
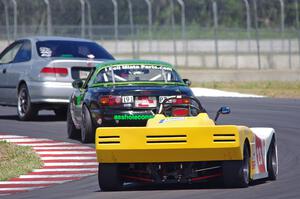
x: 62, y: 162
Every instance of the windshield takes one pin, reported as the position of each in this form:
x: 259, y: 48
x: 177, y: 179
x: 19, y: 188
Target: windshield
x: 77, y: 49
x: 137, y: 73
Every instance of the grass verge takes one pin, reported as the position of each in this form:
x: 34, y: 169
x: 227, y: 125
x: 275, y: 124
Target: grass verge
x: 277, y: 89
x: 17, y: 160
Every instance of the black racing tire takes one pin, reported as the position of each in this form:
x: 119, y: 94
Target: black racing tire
x: 272, y: 164
x: 25, y: 109
x: 236, y: 174
x: 73, y: 132
x: 87, y: 126
x: 109, y: 177
x: 61, y: 113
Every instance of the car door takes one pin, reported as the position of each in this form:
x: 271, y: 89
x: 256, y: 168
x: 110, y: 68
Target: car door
x: 20, y: 66
x: 6, y: 57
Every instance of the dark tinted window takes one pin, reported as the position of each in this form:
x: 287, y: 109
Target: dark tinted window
x: 78, y: 49
x: 24, y: 54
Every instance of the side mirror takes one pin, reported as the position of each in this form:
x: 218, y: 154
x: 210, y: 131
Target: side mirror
x: 78, y: 83
x: 187, y: 82
x: 224, y: 110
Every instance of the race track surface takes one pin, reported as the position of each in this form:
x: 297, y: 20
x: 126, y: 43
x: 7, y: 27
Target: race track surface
x: 283, y: 115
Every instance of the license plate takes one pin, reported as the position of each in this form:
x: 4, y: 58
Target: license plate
x: 145, y: 102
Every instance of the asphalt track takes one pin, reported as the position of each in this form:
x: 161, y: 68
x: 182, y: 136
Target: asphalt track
x: 283, y: 115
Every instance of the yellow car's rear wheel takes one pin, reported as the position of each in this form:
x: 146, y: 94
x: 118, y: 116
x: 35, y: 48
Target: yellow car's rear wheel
x: 236, y: 174
x: 109, y: 177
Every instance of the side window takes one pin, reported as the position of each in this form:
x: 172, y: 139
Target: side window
x: 9, y: 55
x: 24, y: 54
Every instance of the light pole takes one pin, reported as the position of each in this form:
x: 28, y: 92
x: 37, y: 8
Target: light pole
x: 282, y: 16
x: 90, y: 22
x: 173, y: 32
x: 116, y: 23
x: 82, y: 18
x: 297, y: 26
x: 248, y: 23
x: 149, y: 4
x: 216, y: 25
x: 257, y: 34
x: 49, y: 20
x: 183, y: 30
x: 131, y: 27
x: 15, y: 17
x: 6, y: 20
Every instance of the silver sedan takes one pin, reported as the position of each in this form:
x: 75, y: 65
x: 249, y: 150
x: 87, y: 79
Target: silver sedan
x: 37, y: 73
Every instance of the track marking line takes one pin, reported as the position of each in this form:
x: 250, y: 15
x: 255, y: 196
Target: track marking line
x: 62, y: 162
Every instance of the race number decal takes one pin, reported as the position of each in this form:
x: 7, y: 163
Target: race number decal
x: 127, y: 99
x: 259, y: 155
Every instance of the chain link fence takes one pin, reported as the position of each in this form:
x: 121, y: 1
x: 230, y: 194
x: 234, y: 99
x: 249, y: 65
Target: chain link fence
x: 179, y: 40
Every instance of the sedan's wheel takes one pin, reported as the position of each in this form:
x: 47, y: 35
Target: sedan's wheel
x: 25, y: 109
x: 237, y: 173
x: 109, y: 177
x: 272, y: 163
x: 87, y: 126
x: 73, y: 132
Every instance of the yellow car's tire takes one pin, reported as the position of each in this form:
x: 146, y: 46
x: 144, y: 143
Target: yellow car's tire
x: 236, y: 174
x: 272, y: 164
x: 109, y: 177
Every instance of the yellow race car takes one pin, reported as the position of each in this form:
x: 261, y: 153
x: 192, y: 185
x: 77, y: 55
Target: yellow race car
x: 183, y: 145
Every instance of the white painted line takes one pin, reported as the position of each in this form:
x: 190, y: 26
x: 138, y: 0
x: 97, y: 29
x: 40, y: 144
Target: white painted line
x: 46, y: 144
x: 72, y: 164
x: 68, y: 158
x: 26, y: 140
x: 64, y: 152
x: 56, y: 176
x: 75, y: 169
x: 35, y: 182
x: 21, y: 188
x: 11, y: 136
x: 62, y: 148
x: 207, y: 92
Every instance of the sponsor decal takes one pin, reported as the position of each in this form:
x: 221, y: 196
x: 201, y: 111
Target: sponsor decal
x: 45, y: 52
x: 259, y: 155
x: 133, y: 117
x: 133, y: 66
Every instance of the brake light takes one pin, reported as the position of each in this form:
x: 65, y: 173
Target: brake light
x: 110, y: 100
x: 180, y: 112
x: 181, y: 101
x: 55, y: 71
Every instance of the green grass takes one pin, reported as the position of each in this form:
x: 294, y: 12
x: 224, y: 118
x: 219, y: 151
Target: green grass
x: 277, y: 89
x: 17, y: 160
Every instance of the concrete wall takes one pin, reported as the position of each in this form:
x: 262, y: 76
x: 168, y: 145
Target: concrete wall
x: 237, y: 62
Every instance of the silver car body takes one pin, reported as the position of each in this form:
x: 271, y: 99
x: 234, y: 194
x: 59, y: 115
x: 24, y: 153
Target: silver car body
x: 48, y: 89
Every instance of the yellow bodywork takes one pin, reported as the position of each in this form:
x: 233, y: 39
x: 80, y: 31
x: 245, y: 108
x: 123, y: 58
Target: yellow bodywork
x: 172, y: 139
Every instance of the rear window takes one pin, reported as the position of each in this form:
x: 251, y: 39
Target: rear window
x: 69, y: 49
